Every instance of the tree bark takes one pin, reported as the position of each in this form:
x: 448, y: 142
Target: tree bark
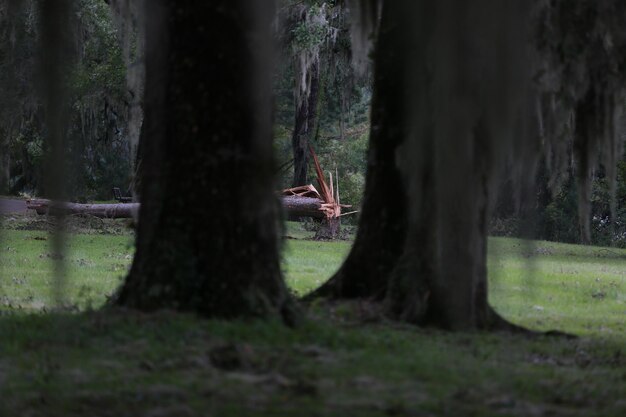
x: 304, y: 129
x: 207, y: 238
x: 303, y: 206
x: 441, y: 120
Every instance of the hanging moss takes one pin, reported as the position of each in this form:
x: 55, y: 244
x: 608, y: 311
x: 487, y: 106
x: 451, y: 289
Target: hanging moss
x: 131, y: 30
x: 581, y: 77
x: 365, y: 15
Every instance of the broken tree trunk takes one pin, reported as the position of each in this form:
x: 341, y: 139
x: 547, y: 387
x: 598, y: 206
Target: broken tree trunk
x: 301, y: 201
x: 293, y: 204
x: 304, y: 206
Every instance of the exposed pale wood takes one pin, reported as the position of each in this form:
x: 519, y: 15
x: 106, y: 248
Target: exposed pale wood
x: 302, y: 191
x: 324, y: 189
x: 332, y: 188
x: 337, y: 179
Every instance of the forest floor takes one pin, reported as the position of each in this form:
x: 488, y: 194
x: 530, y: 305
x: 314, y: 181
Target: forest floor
x: 345, y: 360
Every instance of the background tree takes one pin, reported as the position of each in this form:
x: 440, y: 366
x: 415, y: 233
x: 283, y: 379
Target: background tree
x: 207, y: 238
x: 580, y: 78
x: 315, y: 33
x: 320, y: 99
x: 309, y: 30
x: 130, y: 22
x: 19, y: 107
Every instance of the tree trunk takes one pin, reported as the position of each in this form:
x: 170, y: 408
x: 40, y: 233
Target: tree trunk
x: 585, y: 159
x: 105, y: 211
x: 329, y: 229
x: 5, y: 163
x: 442, y: 105
x: 207, y: 237
x: 303, y: 206
x: 382, y: 225
x: 304, y: 129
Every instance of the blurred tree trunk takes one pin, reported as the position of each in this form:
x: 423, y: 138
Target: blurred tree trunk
x: 5, y: 162
x: 207, y: 237
x: 446, y: 98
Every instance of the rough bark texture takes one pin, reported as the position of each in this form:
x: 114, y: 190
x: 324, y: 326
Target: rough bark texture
x: 382, y: 225
x: 303, y: 206
x: 207, y: 237
x: 304, y: 129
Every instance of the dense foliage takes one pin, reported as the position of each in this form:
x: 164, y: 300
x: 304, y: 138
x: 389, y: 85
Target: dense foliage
x: 580, y: 77
x: 97, y: 152
x: 585, y: 63
x: 314, y: 40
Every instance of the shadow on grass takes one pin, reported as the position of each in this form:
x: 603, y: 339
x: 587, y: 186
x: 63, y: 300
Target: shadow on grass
x: 118, y: 362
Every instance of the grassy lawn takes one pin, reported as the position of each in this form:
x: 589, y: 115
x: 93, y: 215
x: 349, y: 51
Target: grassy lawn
x: 342, y: 362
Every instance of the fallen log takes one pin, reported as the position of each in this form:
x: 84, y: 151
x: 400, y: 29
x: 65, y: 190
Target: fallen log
x: 304, y: 206
x: 106, y: 211
x: 294, y: 205
x: 302, y: 201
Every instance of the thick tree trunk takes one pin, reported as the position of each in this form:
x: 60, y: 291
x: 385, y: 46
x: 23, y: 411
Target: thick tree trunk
x: 382, y: 224
x: 207, y: 237
x: 330, y: 229
x: 441, y: 106
x: 304, y: 129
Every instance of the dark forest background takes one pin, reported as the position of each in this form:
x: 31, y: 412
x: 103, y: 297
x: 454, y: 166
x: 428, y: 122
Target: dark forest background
x: 319, y: 100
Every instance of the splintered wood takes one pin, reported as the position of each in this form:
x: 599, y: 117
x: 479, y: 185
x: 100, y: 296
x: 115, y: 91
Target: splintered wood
x: 306, y: 201
x: 302, y: 191
x: 301, y: 201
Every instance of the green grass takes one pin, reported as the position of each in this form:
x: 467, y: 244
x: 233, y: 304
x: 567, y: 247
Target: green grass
x: 544, y: 285
x: 307, y: 264
x: 94, y: 266
x: 343, y: 361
